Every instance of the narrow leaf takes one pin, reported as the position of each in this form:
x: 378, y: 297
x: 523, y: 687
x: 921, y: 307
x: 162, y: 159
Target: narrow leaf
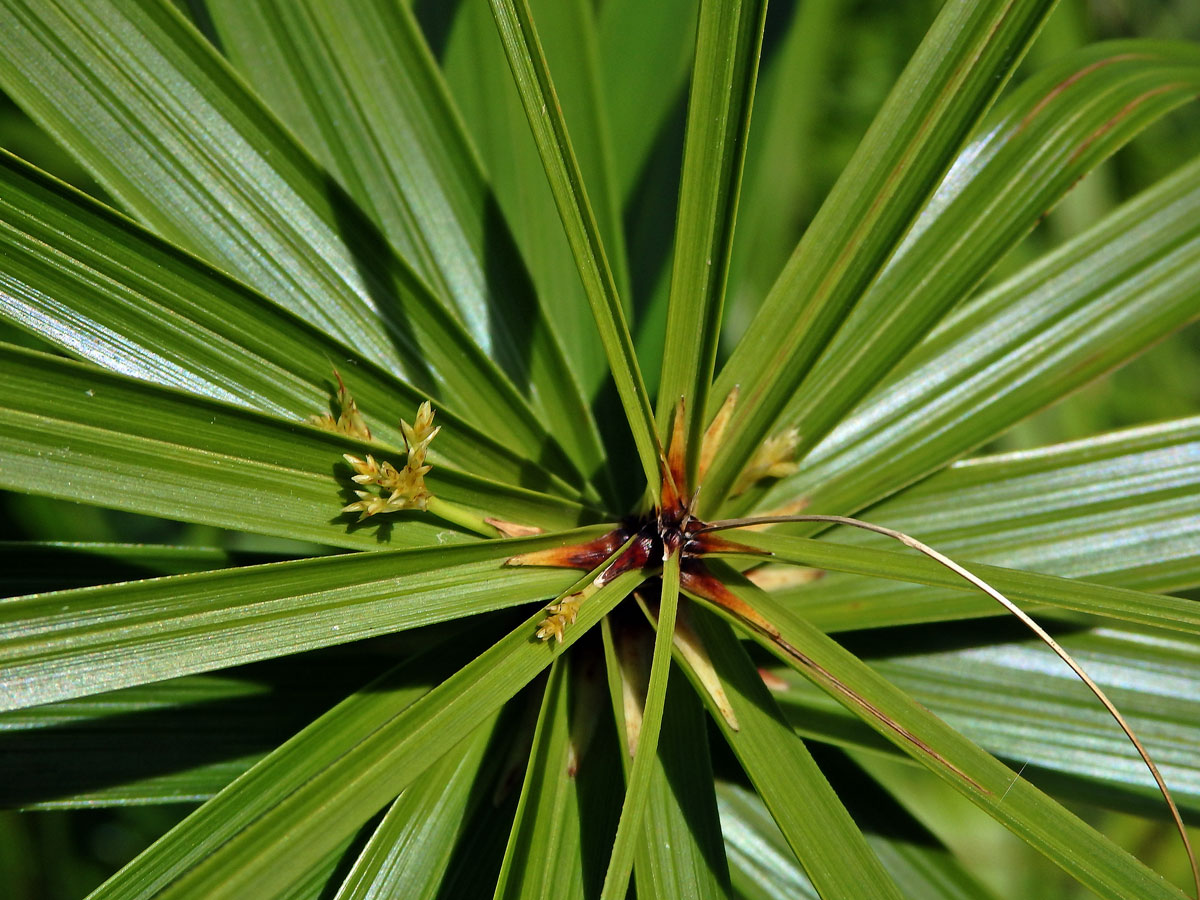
x: 763, y: 866
x: 960, y: 66
x: 681, y: 852
x: 478, y: 74
x: 125, y: 86
x: 616, y: 880
x: 321, y: 876
x: 33, y: 567
x: 1027, y: 587
x: 645, y: 56
x: 1084, y: 854
x: 317, y: 788
x: 1008, y: 693
x: 75, y: 432
x: 1093, y: 304
x: 175, y: 741
x: 766, y: 868
x: 365, y: 94
x: 1037, y: 144
x: 99, y: 287
x: 1117, y: 509
x: 812, y: 818
x: 410, y: 850
x: 725, y: 71
x: 75, y: 643
x: 785, y: 164
x: 543, y: 845
x: 549, y: 131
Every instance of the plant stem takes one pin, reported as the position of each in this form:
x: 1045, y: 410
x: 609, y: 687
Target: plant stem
x: 461, y: 516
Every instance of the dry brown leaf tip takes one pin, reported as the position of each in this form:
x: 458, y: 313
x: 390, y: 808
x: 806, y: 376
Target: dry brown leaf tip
x: 513, y: 529
x: 714, y: 435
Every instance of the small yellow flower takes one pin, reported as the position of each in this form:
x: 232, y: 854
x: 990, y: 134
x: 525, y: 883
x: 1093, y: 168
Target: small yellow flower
x: 561, y: 614
x: 418, y: 435
x: 349, y: 420
x: 400, y: 488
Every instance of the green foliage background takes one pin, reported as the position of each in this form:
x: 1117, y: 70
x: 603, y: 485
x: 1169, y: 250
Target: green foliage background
x: 853, y: 54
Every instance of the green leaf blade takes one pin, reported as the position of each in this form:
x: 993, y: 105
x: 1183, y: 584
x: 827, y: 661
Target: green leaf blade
x: 1101, y: 298
x: 1075, y: 749
x: 566, y: 183
x: 1040, y: 590
x: 125, y: 85
x: 1117, y: 509
x: 365, y: 93
x: 1039, y: 142
x: 200, y: 731
x: 34, y: 567
x: 682, y: 854
x: 812, y: 818
x: 616, y: 879
x: 1083, y: 853
x: 724, y: 75
x: 645, y: 56
x: 765, y: 868
x: 73, y: 643
x: 480, y: 79
x: 553, y: 831
x: 963, y: 62
x: 411, y: 848
x: 77, y: 433
x: 350, y: 764
x: 94, y: 284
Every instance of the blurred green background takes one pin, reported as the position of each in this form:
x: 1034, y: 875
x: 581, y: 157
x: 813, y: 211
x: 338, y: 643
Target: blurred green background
x: 830, y: 62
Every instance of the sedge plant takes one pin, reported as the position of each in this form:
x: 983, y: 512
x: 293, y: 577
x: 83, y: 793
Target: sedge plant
x: 556, y: 575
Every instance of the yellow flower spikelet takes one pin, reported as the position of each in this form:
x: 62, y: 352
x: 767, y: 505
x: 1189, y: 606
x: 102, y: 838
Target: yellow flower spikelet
x: 400, y: 488
x: 349, y: 420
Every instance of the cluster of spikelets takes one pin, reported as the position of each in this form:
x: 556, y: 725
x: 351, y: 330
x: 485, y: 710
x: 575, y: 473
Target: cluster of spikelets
x: 398, y: 488
x: 562, y: 613
x: 348, y: 421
